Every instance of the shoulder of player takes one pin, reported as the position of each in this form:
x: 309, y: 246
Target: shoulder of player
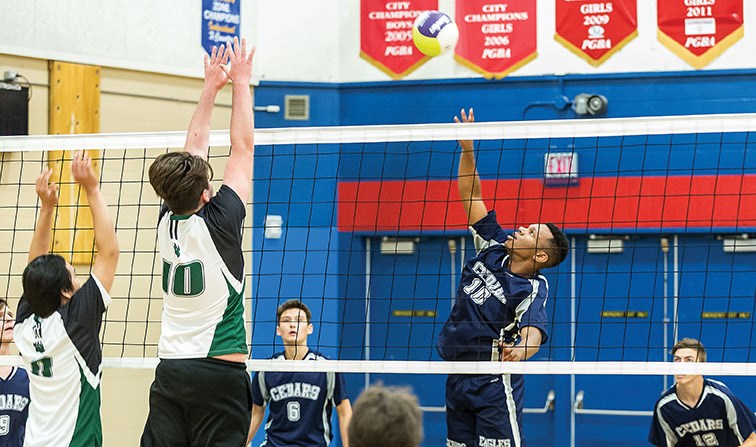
x: 715, y: 384
x: 315, y: 355
x: 718, y: 388
x: 90, y: 286
x: 668, y: 396
x: 19, y: 375
x: 226, y: 194
x: 521, y: 286
x: 311, y: 355
x: 22, y: 374
x: 279, y: 356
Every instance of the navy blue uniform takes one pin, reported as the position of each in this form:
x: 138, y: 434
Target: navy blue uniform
x: 491, y: 302
x: 14, y: 408
x: 719, y: 419
x: 300, y: 404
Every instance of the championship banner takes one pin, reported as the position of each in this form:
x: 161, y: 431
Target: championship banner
x: 596, y: 30
x: 496, y: 37
x: 698, y: 31
x: 386, y: 34
x: 220, y: 22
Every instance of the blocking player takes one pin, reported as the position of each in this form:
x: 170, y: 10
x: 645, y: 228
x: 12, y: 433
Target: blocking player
x: 58, y: 324
x: 300, y: 403
x: 499, y: 315
x: 14, y: 385
x: 697, y: 411
x: 201, y: 391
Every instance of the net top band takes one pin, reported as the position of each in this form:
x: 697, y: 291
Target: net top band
x: 577, y: 128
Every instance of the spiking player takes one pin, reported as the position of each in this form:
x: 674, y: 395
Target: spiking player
x: 201, y: 391
x: 14, y: 387
x: 58, y: 324
x: 499, y: 315
x: 700, y: 412
x: 300, y: 403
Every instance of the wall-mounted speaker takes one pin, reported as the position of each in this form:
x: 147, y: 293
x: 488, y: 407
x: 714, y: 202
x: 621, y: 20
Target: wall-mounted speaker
x: 14, y: 109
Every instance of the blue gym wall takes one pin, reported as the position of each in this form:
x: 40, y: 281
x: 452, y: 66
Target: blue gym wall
x: 325, y: 267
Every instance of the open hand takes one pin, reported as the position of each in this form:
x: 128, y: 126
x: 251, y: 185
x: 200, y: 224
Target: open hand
x: 83, y: 172
x: 240, y: 69
x: 215, y: 76
x: 465, y: 118
x: 47, y: 190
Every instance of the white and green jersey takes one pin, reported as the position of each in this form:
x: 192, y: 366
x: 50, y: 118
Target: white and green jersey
x: 203, y: 280
x: 63, y: 356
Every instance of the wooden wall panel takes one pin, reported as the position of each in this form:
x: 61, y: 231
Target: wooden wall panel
x: 74, y: 109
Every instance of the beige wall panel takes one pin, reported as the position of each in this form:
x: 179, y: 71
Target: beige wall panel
x: 124, y: 405
x: 134, y: 101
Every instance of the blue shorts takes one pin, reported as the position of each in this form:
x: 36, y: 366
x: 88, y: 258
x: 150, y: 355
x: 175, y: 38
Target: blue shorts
x: 484, y: 410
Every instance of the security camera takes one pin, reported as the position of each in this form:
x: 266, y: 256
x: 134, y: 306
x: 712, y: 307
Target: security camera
x: 587, y: 104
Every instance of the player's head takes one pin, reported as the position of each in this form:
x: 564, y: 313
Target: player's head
x: 182, y: 180
x: 7, y: 323
x: 545, y: 244
x: 49, y: 282
x: 386, y: 416
x: 294, y: 323
x: 688, y: 350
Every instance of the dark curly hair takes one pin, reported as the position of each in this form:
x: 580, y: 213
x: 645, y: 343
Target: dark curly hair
x: 558, y: 246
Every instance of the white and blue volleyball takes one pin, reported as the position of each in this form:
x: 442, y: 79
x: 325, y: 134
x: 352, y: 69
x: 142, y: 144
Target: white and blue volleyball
x: 434, y: 33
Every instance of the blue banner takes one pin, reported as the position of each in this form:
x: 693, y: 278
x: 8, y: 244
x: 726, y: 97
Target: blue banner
x: 220, y: 22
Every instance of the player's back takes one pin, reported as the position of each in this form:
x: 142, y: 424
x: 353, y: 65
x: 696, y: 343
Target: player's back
x: 203, y: 280
x: 62, y: 353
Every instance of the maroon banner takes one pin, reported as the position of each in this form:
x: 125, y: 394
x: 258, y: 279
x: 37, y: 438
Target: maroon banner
x: 496, y: 37
x: 698, y: 31
x: 595, y: 30
x: 657, y: 203
x: 386, y: 34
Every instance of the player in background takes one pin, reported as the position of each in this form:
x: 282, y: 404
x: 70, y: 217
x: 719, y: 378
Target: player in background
x: 201, y: 391
x: 58, y: 324
x: 300, y: 403
x: 499, y: 315
x: 697, y: 411
x: 386, y: 416
x: 14, y: 386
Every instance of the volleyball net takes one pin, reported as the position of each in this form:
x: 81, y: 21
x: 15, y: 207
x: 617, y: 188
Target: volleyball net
x: 365, y: 226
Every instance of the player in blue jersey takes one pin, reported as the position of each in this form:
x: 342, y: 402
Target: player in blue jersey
x: 57, y: 328
x: 697, y: 411
x: 499, y: 315
x: 300, y: 403
x: 14, y: 389
x: 201, y: 392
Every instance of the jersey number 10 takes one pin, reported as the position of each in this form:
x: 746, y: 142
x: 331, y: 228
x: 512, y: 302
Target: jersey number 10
x: 185, y: 280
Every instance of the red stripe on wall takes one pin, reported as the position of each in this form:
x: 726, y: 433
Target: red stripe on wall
x: 724, y: 201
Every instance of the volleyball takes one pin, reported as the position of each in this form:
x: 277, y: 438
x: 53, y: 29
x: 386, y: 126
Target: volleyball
x: 434, y: 33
